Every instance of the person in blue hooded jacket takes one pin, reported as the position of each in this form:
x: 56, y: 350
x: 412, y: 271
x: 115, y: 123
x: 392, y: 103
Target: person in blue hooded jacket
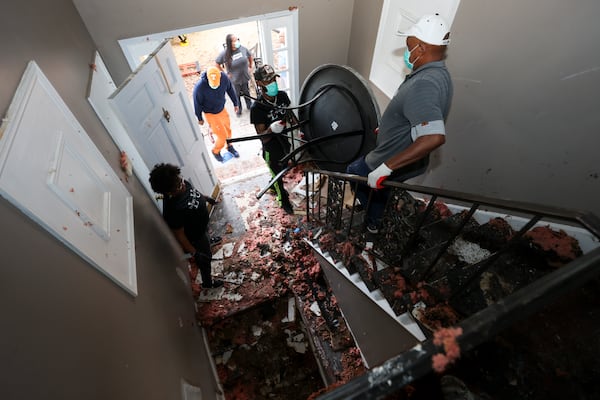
x: 209, y: 103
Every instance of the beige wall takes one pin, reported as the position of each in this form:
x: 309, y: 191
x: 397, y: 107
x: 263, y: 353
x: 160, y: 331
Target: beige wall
x: 523, y: 126
x: 524, y: 119
x: 365, y: 22
x: 66, y: 330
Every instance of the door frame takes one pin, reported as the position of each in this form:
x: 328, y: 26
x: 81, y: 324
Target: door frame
x: 266, y: 25
x: 136, y: 48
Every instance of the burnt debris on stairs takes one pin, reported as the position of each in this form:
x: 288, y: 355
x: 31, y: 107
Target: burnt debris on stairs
x: 444, y: 272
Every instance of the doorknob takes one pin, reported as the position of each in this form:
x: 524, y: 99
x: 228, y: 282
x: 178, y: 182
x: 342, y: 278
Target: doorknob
x: 166, y: 115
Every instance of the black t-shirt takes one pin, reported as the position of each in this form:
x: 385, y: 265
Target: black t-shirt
x: 187, y: 211
x: 265, y: 113
x: 262, y: 112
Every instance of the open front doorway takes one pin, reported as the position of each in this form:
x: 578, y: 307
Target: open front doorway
x: 272, y: 38
x: 195, y: 52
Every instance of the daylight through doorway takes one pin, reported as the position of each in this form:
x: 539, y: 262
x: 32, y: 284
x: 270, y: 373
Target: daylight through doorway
x: 197, y: 51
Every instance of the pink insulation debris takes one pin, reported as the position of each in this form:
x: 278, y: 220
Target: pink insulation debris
x: 558, y: 246
x: 446, y: 337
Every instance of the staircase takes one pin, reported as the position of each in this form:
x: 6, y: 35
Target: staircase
x: 377, y: 330
x: 442, y: 259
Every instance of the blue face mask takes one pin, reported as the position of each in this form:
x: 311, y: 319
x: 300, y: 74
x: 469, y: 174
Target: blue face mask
x: 237, y: 44
x: 272, y: 89
x: 409, y: 65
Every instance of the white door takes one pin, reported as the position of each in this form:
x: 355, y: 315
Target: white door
x: 279, y: 40
x: 100, y: 88
x: 51, y: 170
x: 136, y: 50
x: 387, y: 69
x: 154, y: 107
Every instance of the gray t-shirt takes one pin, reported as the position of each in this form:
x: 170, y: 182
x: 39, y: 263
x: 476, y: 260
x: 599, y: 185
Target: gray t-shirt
x: 237, y: 67
x: 420, y: 105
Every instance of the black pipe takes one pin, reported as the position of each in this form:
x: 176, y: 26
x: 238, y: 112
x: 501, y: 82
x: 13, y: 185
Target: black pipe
x: 265, y: 135
x: 590, y: 221
x: 319, y: 93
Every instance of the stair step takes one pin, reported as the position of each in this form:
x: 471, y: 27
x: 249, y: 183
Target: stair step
x: 408, y: 322
x: 376, y: 296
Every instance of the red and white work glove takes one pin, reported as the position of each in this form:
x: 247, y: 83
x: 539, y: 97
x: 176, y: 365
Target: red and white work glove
x: 277, y: 126
x: 378, y: 175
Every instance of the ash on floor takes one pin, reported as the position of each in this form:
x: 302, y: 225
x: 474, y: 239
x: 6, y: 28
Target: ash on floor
x: 263, y: 259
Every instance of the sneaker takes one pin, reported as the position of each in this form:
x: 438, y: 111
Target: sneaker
x: 233, y: 151
x: 216, y: 283
x: 372, y: 228
x: 215, y: 240
x: 218, y: 157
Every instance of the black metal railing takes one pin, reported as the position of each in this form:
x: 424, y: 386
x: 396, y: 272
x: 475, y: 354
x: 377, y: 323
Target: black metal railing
x: 331, y: 203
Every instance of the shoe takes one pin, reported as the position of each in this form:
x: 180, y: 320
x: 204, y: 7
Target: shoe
x: 215, y: 284
x: 215, y: 240
x: 372, y: 228
x: 358, y: 207
x: 218, y: 157
x: 233, y: 151
x: 287, y: 207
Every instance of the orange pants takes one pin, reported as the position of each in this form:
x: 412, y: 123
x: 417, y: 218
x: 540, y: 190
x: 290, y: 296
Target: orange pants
x: 221, y: 127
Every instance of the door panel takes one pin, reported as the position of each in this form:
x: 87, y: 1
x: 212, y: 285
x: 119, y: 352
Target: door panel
x: 51, y: 171
x: 100, y: 88
x: 160, y: 149
x: 154, y: 106
x: 278, y: 36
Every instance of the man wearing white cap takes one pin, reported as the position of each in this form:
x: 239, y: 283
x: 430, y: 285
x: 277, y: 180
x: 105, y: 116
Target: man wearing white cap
x: 412, y: 126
